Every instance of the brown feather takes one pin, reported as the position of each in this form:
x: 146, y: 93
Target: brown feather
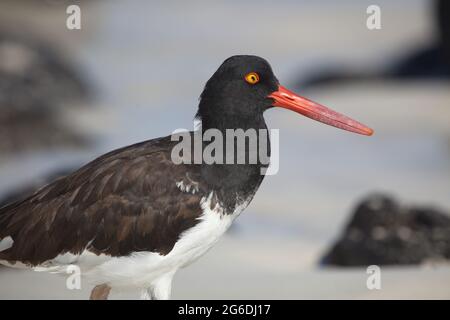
x: 122, y: 202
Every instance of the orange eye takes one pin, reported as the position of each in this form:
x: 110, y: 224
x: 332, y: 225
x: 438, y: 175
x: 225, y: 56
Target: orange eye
x: 252, y: 77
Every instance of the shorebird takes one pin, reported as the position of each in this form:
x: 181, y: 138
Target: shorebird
x: 132, y: 217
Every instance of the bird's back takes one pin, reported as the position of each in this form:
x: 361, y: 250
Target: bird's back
x: 122, y: 202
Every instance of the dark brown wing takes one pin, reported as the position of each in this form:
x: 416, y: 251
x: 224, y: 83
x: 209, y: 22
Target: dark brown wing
x: 124, y: 201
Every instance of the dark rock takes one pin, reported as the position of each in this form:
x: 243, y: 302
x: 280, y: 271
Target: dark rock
x: 36, y: 131
x: 37, y: 84
x: 382, y: 232
x: 32, y: 72
x: 431, y: 62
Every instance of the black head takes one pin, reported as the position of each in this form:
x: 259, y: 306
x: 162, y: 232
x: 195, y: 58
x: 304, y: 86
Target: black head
x: 237, y: 93
x: 244, y: 86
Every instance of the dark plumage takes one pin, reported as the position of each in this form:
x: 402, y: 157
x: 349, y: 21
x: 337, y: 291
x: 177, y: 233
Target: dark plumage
x: 122, y: 202
x: 127, y: 200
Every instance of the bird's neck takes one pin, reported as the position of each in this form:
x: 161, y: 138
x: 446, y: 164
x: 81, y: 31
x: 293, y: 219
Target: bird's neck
x: 236, y: 182
x: 242, y: 138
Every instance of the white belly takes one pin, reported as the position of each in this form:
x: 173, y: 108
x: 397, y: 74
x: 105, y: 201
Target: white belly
x: 141, y: 269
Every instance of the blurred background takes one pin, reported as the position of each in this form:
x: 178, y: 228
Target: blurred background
x: 339, y: 203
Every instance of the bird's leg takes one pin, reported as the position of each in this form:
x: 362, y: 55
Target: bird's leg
x: 100, y: 292
x: 146, y: 294
x: 160, y: 289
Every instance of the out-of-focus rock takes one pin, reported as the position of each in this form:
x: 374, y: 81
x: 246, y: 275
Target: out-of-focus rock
x: 383, y: 232
x: 37, y: 84
x: 431, y: 62
x: 33, y: 71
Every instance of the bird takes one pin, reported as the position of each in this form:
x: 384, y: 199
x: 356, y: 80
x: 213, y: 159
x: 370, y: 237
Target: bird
x: 131, y: 218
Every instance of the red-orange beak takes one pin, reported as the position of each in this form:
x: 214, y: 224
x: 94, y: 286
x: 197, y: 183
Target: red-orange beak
x: 287, y: 99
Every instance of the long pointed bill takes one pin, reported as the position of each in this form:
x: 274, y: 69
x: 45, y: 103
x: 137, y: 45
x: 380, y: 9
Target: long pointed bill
x: 287, y: 99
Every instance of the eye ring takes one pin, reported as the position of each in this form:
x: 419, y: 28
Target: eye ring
x: 252, y: 78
